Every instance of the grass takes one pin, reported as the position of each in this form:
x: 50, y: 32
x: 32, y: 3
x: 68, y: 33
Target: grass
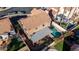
x: 15, y: 45
x: 59, y: 46
x: 77, y: 27
x: 64, y: 25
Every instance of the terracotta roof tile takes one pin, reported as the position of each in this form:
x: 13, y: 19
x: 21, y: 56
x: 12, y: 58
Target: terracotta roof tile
x: 40, y: 17
x: 5, y: 25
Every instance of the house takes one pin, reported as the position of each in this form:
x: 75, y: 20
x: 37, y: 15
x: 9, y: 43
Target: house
x: 75, y: 14
x: 67, y: 11
x: 5, y: 25
x: 5, y: 30
x: 71, y: 14
x: 37, y: 20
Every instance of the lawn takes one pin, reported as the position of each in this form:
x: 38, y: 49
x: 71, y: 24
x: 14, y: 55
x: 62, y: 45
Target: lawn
x: 64, y: 25
x: 15, y: 45
x: 77, y: 27
x: 59, y: 46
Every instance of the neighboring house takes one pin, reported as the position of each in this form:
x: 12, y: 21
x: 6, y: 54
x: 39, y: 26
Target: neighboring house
x: 75, y: 14
x: 5, y: 25
x: 37, y: 20
x: 5, y: 30
x: 67, y: 11
x: 70, y: 16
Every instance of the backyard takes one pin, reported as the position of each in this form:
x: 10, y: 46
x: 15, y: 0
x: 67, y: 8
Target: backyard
x: 64, y: 25
x: 15, y: 45
x: 59, y: 46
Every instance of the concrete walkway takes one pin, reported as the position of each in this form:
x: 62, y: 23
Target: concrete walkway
x: 24, y: 49
x: 59, y: 28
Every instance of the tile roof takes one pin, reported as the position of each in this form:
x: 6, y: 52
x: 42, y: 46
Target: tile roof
x: 5, y: 25
x: 38, y: 18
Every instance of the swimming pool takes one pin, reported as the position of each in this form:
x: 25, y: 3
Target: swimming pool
x: 55, y: 33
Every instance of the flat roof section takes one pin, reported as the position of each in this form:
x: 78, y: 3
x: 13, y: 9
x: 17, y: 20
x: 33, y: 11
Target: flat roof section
x: 41, y: 34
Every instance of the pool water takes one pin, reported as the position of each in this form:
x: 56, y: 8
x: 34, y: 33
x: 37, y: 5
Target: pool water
x: 55, y: 33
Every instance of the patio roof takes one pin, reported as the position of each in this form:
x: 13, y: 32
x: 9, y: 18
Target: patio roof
x: 41, y: 34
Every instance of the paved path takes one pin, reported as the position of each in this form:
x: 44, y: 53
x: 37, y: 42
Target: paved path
x: 59, y: 28
x: 24, y: 49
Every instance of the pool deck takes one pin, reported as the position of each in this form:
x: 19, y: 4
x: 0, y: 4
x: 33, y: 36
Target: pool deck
x: 59, y: 28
